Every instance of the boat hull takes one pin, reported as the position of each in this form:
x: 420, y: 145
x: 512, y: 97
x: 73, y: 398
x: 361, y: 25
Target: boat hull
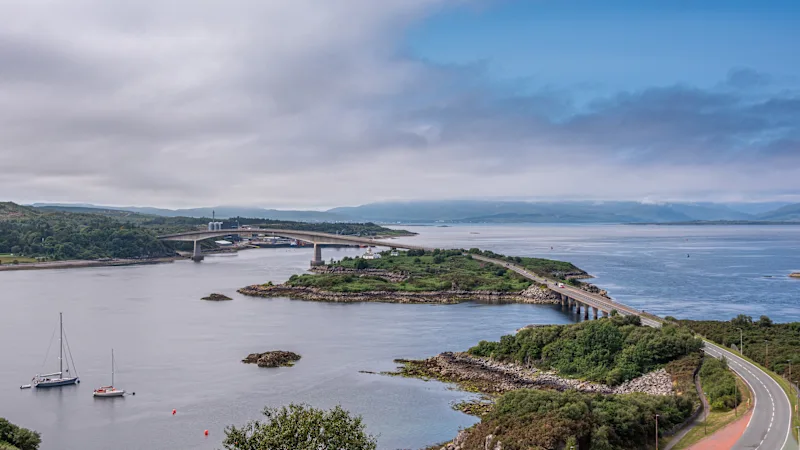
x: 107, y: 394
x: 57, y: 383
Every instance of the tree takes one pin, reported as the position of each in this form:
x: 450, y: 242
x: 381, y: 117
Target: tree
x: 764, y: 321
x: 742, y: 320
x: 18, y: 437
x: 301, y: 427
x: 361, y: 264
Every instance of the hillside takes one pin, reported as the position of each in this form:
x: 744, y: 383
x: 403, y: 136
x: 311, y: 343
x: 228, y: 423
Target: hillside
x: 220, y: 212
x: 785, y: 213
x: 9, y: 210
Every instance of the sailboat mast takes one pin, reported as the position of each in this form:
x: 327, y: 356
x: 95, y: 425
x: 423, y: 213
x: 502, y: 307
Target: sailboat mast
x: 112, y: 367
x: 61, y: 344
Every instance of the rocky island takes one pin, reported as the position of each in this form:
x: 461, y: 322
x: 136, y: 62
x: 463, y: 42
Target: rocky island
x: 216, y: 297
x: 416, y: 276
x: 274, y: 358
x: 794, y: 275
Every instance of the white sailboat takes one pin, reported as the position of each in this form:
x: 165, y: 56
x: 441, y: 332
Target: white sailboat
x: 109, y: 391
x: 63, y: 376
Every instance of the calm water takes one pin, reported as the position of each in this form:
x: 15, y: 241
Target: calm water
x: 176, y: 351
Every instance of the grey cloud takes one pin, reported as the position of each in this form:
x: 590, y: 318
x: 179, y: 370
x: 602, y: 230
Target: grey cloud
x: 314, y: 103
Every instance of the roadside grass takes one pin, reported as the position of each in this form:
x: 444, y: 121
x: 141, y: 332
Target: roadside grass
x: 717, y: 420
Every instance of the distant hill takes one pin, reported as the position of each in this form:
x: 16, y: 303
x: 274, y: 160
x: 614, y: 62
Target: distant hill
x: 785, y: 213
x: 474, y: 211
x: 9, y: 210
x: 539, y: 212
x: 220, y: 212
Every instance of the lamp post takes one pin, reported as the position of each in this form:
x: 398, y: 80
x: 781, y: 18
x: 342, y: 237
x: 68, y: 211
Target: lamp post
x: 656, y: 431
x: 741, y: 342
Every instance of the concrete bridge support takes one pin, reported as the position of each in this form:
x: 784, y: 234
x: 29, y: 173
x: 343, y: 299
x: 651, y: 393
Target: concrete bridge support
x: 585, y: 312
x: 197, y: 254
x: 317, y: 261
x: 594, y: 310
x: 578, y: 309
x: 605, y: 314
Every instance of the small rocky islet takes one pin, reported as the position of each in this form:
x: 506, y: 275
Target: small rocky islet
x: 216, y: 297
x: 274, y: 358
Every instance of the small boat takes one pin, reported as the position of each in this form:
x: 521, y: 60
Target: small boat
x: 62, y: 377
x: 109, y: 391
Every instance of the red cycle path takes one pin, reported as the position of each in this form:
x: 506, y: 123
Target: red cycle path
x: 725, y: 438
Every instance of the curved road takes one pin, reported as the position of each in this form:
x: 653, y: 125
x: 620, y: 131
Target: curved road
x: 769, y: 427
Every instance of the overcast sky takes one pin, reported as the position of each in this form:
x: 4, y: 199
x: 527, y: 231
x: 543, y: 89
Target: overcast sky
x: 312, y: 103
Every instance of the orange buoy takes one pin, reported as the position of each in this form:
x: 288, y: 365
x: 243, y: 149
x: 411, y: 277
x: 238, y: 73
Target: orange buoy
x: 206, y: 432
x: 173, y: 412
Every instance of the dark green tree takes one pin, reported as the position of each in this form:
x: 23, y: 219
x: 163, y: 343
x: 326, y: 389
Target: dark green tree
x: 301, y: 427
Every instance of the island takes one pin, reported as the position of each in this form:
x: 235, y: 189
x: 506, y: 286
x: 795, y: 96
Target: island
x: 418, y: 276
x: 216, y: 297
x: 794, y: 275
x: 274, y: 358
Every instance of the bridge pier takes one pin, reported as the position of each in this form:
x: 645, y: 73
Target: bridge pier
x: 585, y: 312
x: 605, y: 314
x: 578, y: 309
x: 595, y: 312
x: 197, y: 254
x: 317, y: 261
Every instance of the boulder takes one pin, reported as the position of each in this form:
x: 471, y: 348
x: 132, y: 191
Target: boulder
x: 216, y: 297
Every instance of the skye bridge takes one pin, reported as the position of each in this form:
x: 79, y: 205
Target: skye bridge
x: 314, y: 237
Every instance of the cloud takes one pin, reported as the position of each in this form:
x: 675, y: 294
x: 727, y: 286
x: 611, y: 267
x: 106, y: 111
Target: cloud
x: 308, y: 103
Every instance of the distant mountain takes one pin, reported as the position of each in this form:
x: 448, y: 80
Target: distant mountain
x: 220, y: 212
x: 540, y: 212
x: 785, y: 213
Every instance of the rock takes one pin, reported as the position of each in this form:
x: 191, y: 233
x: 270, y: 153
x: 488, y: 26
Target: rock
x: 275, y: 358
x: 794, y: 275
x: 216, y: 297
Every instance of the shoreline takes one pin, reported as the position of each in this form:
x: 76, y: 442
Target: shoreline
x: 448, y: 297
x: 81, y: 263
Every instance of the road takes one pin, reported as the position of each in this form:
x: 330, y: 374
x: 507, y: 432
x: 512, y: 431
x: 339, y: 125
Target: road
x: 769, y: 427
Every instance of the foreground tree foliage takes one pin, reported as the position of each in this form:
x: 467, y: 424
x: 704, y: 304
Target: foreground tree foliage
x: 13, y: 437
x: 609, y: 351
x: 301, y: 427
x: 532, y: 419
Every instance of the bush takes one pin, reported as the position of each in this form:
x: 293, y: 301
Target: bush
x: 301, y: 427
x: 719, y: 384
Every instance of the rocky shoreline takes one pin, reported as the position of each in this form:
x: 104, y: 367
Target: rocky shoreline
x: 532, y: 295
x: 75, y: 264
x: 487, y: 376
x: 274, y: 358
